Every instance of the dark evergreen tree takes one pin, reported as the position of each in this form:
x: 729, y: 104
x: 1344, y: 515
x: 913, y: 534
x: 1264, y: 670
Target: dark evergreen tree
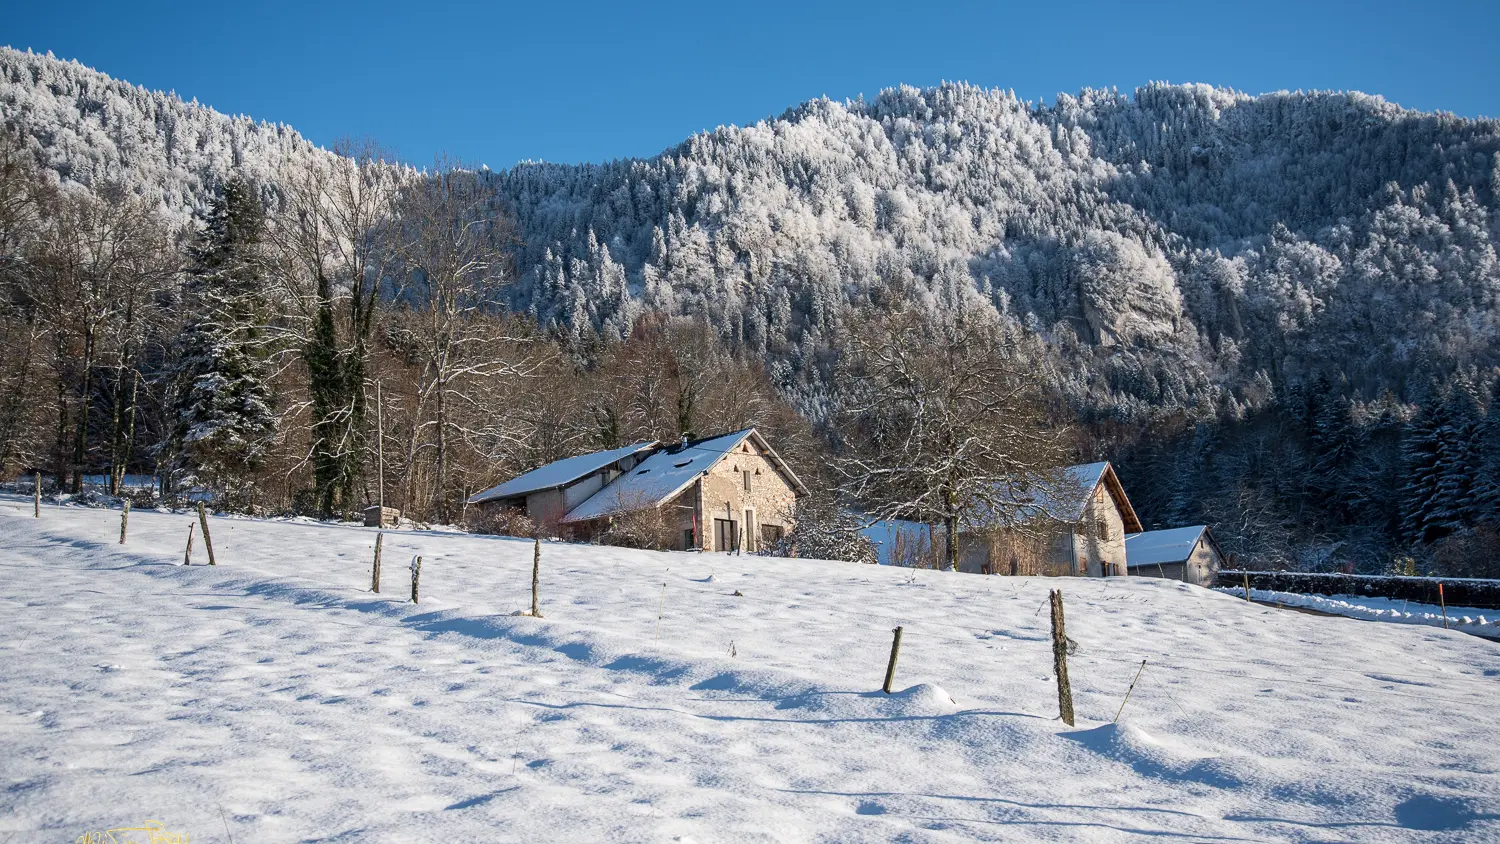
x: 1335, y: 444
x: 1454, y: 507
x: 335, y: 385
x: 1486, y: 490
x: 1420, y: 458
x: 223, y: 408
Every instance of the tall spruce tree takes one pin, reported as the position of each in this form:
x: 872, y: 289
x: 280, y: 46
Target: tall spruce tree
x: 1420, y: 459
x: 1486, y: 489
x: 223, y: 408
x: 1334, y: 445
x: 1454, y: 506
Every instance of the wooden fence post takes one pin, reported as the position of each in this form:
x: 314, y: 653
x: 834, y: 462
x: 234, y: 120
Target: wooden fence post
x: 1444, y: 602
x: 660, y: 609
x: 1247, y: 584
x: 890, y: 667
x: 1129, y: 690
x: 1060, y: 659
x: 536, y: 577
x: 375, y: 573
x: 187, y: 557
x: 124, y: 520
x: 36, y: 501
x: 207, y: 542
x: 416, y: 575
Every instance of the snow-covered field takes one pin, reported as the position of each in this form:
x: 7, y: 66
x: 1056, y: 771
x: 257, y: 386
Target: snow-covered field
x: 274, y: 698
x: 1474, y: 620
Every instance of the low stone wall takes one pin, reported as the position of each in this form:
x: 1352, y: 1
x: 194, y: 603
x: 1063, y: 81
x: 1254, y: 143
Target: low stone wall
x: 1458, y: 591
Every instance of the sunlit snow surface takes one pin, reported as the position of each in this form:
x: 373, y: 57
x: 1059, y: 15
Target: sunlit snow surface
x: 274, y: 698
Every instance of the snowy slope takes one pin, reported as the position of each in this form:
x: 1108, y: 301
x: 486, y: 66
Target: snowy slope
x: 274, y: 698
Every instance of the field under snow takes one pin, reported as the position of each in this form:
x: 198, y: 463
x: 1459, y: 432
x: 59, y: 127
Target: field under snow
x: 274, y: 698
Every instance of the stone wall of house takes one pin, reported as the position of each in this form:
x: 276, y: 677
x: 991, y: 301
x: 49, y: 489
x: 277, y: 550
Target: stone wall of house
x: 1100, y: 540
x: 1203, y: 565
x: 1170, y: 571
x: 771, y: 498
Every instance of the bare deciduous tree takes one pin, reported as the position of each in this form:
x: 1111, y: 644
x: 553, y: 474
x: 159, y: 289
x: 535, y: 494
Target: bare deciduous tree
x: 945, y: 420
x: 454, y: 252
x: 333, y: 252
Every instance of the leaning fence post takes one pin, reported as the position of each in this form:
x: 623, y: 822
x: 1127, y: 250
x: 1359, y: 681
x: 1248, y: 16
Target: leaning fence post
x: 1247, y: 584
x: 187, y: 557
x: 36, y: 501
x: 1444, y: 603
x: 536, y: 577
x: 1129, y: 690
x: 1060, y: 659
x: 375, y: 573
x: 207, y: 541
x: 890, y: 667
x: 416, y: 575
x: 124, y: 520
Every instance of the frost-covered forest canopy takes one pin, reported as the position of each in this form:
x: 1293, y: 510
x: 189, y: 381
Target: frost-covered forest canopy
x: 1277, y: 314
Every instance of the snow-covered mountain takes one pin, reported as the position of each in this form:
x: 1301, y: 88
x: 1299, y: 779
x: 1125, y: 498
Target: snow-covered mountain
x: 1194, y: 255
x: 1181, y: 239
x: 93, y: 130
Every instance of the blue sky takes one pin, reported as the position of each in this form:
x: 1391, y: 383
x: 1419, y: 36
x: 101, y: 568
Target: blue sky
x: 494, y: 83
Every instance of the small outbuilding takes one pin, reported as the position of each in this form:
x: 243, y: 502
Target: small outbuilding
x: 1189, y: 554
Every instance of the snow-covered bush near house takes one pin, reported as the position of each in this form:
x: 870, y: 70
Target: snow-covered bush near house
x: 1481, y: 622
x: 273, y: 698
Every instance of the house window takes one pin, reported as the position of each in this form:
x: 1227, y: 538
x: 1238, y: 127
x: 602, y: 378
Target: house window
x: 687, y: 539
x: 770, y: 534
x: 747, y: 480
x: 1103, y: 529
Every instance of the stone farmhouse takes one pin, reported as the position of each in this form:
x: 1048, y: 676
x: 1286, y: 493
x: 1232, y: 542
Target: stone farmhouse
x: 1092, y: 516
x: 725, y: 493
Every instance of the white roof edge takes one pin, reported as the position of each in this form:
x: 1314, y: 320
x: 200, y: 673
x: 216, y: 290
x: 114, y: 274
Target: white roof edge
x: 494, y: 492
x: 1165, y: 546
x: 737, y: 437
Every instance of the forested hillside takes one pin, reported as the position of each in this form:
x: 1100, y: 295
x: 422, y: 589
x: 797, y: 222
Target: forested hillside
x: 1276, y: 313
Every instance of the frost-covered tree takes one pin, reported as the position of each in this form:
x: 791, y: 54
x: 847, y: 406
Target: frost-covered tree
x: 824, y: 530
x: 224, y: 409
x: 945, y: 421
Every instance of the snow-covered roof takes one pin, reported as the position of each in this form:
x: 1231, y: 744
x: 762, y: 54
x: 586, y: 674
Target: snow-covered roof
x: 659, y: 477
x: 560, y: 472
x: 1066, y: 498
x: 1155, y: 547
x: 1069, y: 501
x: 668, y: 472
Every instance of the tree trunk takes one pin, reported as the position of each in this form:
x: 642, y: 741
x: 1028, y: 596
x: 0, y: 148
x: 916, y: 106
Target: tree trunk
x: 129, y: 447
x: 950, y: 524
x: 440, y: 490
x: 80, y: 442
x: 10, y: 419
x: 60, y: 448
